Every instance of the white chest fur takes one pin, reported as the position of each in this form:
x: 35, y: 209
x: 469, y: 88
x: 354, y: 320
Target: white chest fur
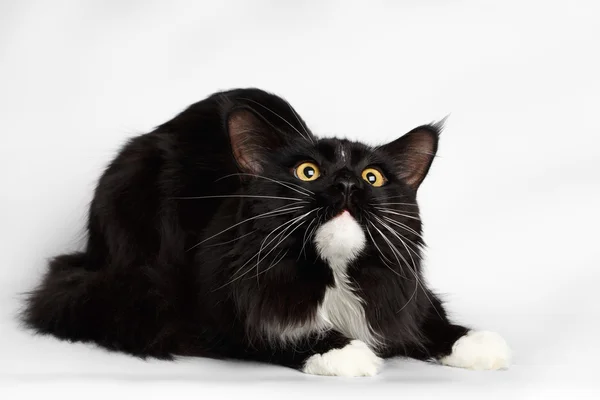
x: 339, y: 242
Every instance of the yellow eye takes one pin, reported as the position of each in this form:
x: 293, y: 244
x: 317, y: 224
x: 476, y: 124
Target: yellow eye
x: 374, y: 177
x: 307, y: 171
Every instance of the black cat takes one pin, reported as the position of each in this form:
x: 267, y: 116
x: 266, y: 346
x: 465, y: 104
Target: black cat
x: 231, y: 231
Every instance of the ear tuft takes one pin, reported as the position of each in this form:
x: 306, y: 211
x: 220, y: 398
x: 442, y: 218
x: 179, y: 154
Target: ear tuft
x: 413, y: 153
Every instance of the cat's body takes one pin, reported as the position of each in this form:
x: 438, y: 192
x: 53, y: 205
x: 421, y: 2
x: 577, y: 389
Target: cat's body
x: 231, y: 231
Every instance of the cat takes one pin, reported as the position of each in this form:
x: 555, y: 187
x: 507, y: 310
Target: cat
x: 232, y: 232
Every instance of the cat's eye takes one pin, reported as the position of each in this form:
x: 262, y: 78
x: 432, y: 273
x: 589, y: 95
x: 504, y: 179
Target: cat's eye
x: 374, y: 177
x: 307, y: 171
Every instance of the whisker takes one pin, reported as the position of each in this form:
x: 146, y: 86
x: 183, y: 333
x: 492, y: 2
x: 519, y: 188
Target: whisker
x: 304, y: 239
x: 396, y: 254
x: 278, y: 243
x: 389, y: 211
x: 301, y: 124
x: 399, y: 204
x: 316, y: 219
x: 233, y: 240
x: 403, y: 226
x: 286, y: 184
x: 415, y: 272
x: 277, y: 212
x: 289, y: 223
x: 400, y: 237
x: 391, y: 248
x: 273, y: 248
x: 321, y: 218
x: 236, y: 196
x: 273, y: 263
x: 257, y: 254
x: 291, y: 206
x: 377, y: 247
x: 294, y: 221
x: 283, y: 119
x: 378, y: 207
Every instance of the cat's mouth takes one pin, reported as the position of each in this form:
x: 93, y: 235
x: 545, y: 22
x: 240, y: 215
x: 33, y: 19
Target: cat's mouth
x: 344, y: 212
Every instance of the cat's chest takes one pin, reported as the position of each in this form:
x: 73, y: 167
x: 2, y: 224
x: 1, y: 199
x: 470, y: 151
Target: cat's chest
x: 338, y: 242
x: 343, y: 310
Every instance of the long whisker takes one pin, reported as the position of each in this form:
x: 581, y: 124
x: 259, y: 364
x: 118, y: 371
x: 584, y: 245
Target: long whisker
x: 257, y: 254
x: 283, y: 119
x: 389, y: 211
x: 235, y: 277
x: 399, y: 204
x: 304, y: 239
x: 403, y: 226
x: 290, y: 223
x: 317, y: 218
x: 286, y: 184
x: 396, y: 254
x: 378, y: 207
x: 233, y: 240
x: 301, y: 124
x: 400, y: 237
x: 394, y: 251
x: 277, y: 212
x: 415, y: 272
x: 274, y: 247
x: 294, y: 221
x: 400, y: 225
x: 273, y: 263
x: 251, y: 196
x: 251, y: 258
x: 378, y: 249
x: 319, y: 221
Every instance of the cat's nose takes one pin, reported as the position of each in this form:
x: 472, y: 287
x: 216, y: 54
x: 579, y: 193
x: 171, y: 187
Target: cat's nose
x: 346, y: 186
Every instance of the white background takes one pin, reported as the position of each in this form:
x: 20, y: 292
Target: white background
x: 510, y: 207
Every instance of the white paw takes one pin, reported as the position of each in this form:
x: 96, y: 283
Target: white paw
x: 479, y: 350
x: 356, y: 359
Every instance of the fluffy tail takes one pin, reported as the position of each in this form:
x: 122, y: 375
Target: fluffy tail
x: 78, y: 304
x: 58, y: 303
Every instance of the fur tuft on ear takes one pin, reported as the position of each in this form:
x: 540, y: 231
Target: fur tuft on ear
x: 251, y: 138
x: 413, y: 153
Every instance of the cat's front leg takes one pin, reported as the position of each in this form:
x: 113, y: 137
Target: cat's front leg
x: 479, y: 350
x: 354, y: 359
x: 330, y: 354
x: 458, y: 346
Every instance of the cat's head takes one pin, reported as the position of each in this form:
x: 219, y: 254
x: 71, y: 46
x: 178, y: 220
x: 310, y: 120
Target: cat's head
x: 334, y: 196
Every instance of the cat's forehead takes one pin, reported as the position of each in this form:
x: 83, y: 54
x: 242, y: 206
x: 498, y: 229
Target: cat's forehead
x: 343, y: 151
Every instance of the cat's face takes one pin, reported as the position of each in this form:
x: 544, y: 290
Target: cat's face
x: 344, y: 176
x: 334, y: 195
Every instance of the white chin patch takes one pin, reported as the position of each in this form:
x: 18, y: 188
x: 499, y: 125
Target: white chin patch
x: 479, y: 350
x: 356, y: 359
x: 340, y: 240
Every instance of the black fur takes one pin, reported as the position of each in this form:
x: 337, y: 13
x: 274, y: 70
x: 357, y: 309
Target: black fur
x: 167, y: 273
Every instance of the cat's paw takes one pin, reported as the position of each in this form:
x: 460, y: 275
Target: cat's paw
x: 356, y: 359
x: 479, y: 350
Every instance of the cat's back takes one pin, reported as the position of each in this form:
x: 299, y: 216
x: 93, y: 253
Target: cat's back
x: 152, y: 195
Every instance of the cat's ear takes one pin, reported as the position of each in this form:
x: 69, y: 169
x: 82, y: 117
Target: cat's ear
x: 252, y: 138
x: 413, y: 153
